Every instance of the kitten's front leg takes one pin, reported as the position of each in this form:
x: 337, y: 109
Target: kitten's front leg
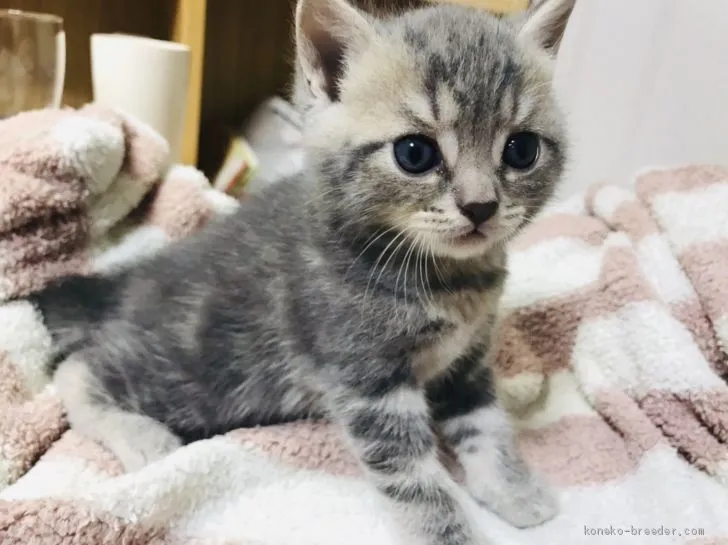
x: 477, y: 429
x: 387, y: 420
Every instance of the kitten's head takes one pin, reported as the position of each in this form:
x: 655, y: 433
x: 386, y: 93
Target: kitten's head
x: 438, y: 125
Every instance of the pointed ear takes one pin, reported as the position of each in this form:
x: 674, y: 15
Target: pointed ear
x: 326, y: 31
x: 545, y: 21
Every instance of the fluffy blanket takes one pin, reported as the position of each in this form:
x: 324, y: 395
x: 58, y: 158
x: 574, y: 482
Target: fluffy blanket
x: 610, y: 358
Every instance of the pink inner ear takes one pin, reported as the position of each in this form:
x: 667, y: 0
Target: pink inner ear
x: 324, y: 50
x: 326, y: 61
x: 330, y: 27
x: 332, y: 65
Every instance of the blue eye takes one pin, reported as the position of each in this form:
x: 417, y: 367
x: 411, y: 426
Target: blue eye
x: 416, y: 154
x: 521, y: 150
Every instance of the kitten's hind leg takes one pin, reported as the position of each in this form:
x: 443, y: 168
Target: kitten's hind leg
x: 135, y: 439
x: 477, y: 428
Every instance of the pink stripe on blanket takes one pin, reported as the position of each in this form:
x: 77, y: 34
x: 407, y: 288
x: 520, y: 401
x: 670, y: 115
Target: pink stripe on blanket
x: 27, y: 430
x: 44, y: 160
x: 74, y: 446
x: 676, y: 417
x: 59, y: 522
x: 692, y: 315
x: 582, y: 450
x: 706, y: 265
x: 711, y: 407
x: 27, y: 200
x: 689, y: 178
x: 621, y: 211
x: 584, y: 228
x: 49, y: 239
x: 539, y: 338
x: 303, y: 445
x: 626, y: 417
x: 178, y: 208
x: 621, y: 282
x: 634, y: 219
x: 12, y: 389
x: 35, y: 276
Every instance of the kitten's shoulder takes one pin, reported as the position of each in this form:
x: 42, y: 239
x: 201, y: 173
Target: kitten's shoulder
x: 277, y: 209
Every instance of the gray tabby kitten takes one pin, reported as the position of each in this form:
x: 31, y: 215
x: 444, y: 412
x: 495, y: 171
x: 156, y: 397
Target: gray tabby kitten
x: 365, y: 290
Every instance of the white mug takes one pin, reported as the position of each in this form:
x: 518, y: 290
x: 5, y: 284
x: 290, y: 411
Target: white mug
x: 145, y: 78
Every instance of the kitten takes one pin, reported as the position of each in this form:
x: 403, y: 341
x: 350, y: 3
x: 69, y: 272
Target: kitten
x: 365, y: 290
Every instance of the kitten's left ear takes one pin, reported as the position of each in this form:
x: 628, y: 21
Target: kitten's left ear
x: 545, y: 22
x: 326, y: 32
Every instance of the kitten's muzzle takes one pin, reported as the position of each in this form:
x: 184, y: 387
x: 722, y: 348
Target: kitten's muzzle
x: 479, y: 212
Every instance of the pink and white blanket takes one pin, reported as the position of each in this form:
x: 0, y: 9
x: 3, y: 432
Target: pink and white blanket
x: 611, y: 359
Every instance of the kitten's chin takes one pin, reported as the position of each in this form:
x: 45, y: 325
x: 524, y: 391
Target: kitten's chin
x: 466, y: 246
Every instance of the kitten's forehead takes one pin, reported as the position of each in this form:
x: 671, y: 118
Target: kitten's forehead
x: 470, y: 66
x: 455, y: 43
x: 439, y: 69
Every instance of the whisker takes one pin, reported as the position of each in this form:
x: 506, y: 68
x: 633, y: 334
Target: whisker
x: 376, y: 264
x: 396, y: 250
x: 439, y: 273
x: 407, y: 257
x: 422, y: 257
x: 421, y: 266
x: 396, y: 294
x: 368, y: 245
x: 418, y: 267
x: 427, y: 250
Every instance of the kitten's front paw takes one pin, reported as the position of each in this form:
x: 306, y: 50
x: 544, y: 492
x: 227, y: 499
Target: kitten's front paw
x: 527, y: 504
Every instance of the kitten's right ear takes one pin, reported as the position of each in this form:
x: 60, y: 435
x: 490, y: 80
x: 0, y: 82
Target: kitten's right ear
x: 326, y: 31
x: 544, y: 22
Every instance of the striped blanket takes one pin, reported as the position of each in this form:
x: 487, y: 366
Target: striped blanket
x: 610, y: 358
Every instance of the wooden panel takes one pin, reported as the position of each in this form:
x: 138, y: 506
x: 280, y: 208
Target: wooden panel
x: 189, y: 29
x: 84, y: 17
x: 248, y: 54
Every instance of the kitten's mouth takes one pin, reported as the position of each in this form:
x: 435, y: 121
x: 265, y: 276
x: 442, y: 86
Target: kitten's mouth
x: 464, y: 243
x: 469, y: 238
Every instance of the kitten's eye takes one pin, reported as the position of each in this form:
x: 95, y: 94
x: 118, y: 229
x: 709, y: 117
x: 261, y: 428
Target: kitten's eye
x: 416, y: 154
x: 522, y: 150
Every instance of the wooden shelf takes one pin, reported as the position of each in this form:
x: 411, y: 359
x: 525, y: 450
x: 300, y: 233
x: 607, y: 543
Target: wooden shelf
x: 241, y: 53
x: 189, y: 29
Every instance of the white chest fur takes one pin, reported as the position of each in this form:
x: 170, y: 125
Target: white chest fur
x: 466, y: 317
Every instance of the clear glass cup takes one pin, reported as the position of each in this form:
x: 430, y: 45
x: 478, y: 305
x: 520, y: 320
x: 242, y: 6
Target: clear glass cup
x: 32, y: 61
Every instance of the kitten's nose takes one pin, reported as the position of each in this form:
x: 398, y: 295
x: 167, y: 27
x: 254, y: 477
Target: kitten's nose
x: 479, y: 212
